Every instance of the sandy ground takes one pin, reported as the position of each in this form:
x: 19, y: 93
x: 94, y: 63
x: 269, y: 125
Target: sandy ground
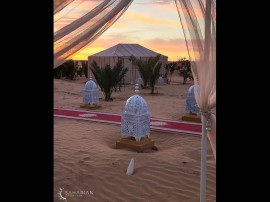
x: 89, y: 168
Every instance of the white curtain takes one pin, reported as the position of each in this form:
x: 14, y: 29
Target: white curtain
x: 198, y: 19
x: 60, y: 4
x: 85, y: 29
x: 200, y: 35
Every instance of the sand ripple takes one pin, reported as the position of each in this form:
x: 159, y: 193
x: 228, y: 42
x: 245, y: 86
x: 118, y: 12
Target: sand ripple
x: 85, y: 158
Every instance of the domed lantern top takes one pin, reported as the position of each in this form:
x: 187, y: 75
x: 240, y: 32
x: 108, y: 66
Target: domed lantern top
x: 90, y: 92
x: 191, y: 104
x: 136, y: 105
x: 135, y: 117
x: 191, y: 91
x: 90, y: 85
x: 160, y: 81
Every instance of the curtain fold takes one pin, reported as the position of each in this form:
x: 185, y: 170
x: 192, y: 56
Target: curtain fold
x: 60, y: 4
x: 85, y: 29
x: 198, y: 20
x: 79, y: 22
x: 200, y: 35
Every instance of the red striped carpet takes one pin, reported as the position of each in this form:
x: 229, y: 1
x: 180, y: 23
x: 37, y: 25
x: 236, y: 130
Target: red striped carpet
x: 155, y: 123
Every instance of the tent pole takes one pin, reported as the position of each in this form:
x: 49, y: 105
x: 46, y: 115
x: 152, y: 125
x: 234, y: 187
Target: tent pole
x: 203, y: 160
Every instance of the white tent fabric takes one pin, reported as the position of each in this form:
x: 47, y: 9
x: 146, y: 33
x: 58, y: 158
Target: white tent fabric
x: 198, y: 19
x: 85, y: 29
x: 125, y: 52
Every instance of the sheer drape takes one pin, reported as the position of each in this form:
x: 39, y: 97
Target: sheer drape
x: 200, y: 35
x: 85, y: 29
x: 198, y: 19
x: 60, y: 4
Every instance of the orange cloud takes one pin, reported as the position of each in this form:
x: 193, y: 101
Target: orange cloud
x: 132, y: 28
x: 84, y: 53
x: 173, y: 48
x: 145, y: 19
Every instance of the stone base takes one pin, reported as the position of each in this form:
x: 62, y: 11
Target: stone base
x: 89, y: 106
x: 131, y: 143
x: 192, y: 118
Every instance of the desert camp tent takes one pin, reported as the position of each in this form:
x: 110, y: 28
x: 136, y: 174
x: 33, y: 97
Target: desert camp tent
x: 125, y: 51
x: 198, y: 22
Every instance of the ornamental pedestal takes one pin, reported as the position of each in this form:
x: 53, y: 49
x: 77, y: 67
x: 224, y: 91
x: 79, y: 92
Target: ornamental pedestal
x: 135, y: 124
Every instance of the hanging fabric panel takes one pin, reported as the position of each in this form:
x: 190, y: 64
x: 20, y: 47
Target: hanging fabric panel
x: 85, y: 29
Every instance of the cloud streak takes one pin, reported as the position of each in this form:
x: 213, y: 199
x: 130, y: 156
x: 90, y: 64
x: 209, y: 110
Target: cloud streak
x: 174, y: 48
x: 153, y: 24
x: 151, y: 20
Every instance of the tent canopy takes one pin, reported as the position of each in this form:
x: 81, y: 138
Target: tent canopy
x: 128, y: 50
x: 125, y: 51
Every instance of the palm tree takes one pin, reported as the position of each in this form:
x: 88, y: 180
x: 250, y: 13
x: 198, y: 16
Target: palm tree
x: 69, y: 69
x: 154, y: 76
x: 185, y: 70
x: 119, y: 73
x: 143, y: 70
x: 149, y: 70
x: 84, y: 69
x: 107, y: 78
x: 170, y: 68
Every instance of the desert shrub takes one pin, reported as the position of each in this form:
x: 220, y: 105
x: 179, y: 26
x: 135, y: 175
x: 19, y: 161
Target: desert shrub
x: 108, y: 78
x: 85, y: 69
x: 185, y: 70
x: 149, y: 70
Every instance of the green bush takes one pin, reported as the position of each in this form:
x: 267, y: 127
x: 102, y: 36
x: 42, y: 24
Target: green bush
x: 57, y: 72
x: 170, y: 68
x: 85, y: 69
x: 185, y: 70
x: 149, y: 71
x: 68, y: 69
x: 108, y: 78
x: 79, y: 72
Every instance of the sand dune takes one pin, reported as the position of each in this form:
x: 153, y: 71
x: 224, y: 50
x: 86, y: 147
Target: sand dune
x: 85, y: 157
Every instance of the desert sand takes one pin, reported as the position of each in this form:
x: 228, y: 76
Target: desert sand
x: 89, y: 168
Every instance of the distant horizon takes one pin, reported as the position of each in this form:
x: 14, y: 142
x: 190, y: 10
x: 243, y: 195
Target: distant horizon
x: 124, y: 56
x: 87, y: 60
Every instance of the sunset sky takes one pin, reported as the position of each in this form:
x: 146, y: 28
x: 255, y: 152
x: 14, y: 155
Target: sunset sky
x: 154, y: 24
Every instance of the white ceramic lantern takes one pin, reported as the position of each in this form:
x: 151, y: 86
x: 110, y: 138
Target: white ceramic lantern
x: 90, y: 92
x: 135, y: 120
x: 191, y: 104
